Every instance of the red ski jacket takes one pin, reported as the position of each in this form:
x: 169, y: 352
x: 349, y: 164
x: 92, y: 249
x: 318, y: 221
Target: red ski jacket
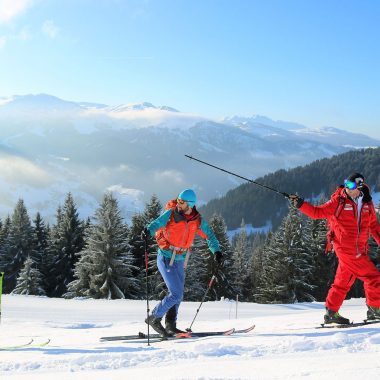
x: 176, y: 232
x: 350, y: 230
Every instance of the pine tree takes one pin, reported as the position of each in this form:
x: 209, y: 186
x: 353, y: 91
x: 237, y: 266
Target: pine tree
x: 105, y: 268
x: 40, y: 242
x: 324, y: 264
x: 257, y: 265
x: 17, y: 246
x: 222, y: 286
x: 157, y: 285
x: 51, y: 254
x: 287, y: 264
x: 4, y: 231
x: 29, y: 281
x: 66, y: 241
x: 240, y: 263
x: 196, y: 273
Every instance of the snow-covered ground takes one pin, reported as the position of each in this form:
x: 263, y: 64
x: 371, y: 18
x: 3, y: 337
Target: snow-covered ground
x: 284, y: 344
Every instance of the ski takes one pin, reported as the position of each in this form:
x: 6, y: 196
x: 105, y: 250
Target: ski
x: 184, y: 335
x: 245, y: 331
x: 366, y: 322
x: 15, y: 347
x: 29, y: 344
x: 41, y: 344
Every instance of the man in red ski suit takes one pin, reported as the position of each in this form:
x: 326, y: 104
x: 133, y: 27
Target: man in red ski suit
x: 352, y: 218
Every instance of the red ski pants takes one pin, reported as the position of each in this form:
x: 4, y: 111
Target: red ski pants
x: 349, y: 268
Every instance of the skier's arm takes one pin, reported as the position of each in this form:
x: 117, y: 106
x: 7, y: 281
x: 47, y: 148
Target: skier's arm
x: 314, y: 212
x: 159, y: 222
x: 319, y: 212
x: 206, y: 232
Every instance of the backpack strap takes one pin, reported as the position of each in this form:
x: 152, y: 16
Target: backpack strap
x: 339, y: 208
x: 330, y: 233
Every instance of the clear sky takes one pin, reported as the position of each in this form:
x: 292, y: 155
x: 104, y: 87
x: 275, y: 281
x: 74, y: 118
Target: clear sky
x: 315, y: 62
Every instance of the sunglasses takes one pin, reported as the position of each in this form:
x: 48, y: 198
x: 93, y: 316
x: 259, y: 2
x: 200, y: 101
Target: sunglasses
x: 181, y: 201
x: 352, y: 185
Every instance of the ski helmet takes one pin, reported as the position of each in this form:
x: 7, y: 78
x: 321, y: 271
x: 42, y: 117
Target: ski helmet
x: 188, y: 195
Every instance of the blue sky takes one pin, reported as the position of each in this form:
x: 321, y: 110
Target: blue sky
x: 314, y: 62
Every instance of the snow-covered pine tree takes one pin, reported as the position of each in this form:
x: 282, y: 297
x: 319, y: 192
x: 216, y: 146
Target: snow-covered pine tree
x: 257, y: 264
x: 265, y: 290
x: 222, y: 286
x: 67, y: 240
x: 105, y: 268
x: 139, y: 222
x: 240, y: 263
x: 17, y: 246
x: 51, y: 253
x: 287, y: 264
x: 315, y: 240
x: 29, y: 281
x: 40, y: 243
x: 157, y: 285
x: 196, y: 273
x: 136, y: 242
x: 4, y: 231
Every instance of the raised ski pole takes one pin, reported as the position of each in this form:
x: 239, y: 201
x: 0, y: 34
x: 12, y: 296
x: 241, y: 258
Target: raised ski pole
x: 147, y: 284
x: 210, y: 284
x: 286, y: 195
x: 1, y: 290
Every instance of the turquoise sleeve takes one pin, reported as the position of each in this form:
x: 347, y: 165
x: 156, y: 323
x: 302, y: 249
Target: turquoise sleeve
x: 212, y: 241
x: 161, y: 221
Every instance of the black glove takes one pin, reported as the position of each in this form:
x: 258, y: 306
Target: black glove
x: 219, y: 258
x: 366, y: 193
x: 145, y: 234
x: 296, y: 200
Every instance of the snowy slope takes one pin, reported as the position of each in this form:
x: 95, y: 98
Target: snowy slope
x: 284, y: 344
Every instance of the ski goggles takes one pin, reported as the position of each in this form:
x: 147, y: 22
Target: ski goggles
x: 352, y: 185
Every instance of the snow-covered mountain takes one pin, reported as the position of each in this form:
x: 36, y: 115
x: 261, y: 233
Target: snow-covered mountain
x: 50, y: 146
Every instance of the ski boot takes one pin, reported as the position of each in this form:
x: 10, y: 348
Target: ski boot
x: 171, y: 329
x: 170, y: 322
x: 155, y: 323
x: 334, y: 317
x: 373, y: 313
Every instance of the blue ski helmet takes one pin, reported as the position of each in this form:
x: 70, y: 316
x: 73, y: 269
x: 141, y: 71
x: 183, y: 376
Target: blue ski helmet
x: 188, y: 195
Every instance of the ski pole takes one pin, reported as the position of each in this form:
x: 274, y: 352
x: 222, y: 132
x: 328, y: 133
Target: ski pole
x: 1, y: 290
x: 210, y: 284
x: 286, y: 195
x: 147, y: 285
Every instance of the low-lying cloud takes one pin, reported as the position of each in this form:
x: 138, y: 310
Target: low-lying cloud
x: 10, y: 9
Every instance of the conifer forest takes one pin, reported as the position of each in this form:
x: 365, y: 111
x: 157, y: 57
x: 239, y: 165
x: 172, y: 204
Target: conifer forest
x: 103, y: 257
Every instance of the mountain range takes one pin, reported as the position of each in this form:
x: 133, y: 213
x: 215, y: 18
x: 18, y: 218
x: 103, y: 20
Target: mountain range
x: 50, y: 146
x: 262, y: 209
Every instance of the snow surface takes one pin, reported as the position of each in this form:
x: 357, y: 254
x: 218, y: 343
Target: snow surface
x: 284, y: 344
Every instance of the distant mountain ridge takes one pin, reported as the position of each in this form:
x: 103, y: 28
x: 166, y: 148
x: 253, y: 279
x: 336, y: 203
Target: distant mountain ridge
x: 262, y: 207
x: 50, y: 146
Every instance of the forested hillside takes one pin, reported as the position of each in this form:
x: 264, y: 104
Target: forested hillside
x: 257, y: 205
